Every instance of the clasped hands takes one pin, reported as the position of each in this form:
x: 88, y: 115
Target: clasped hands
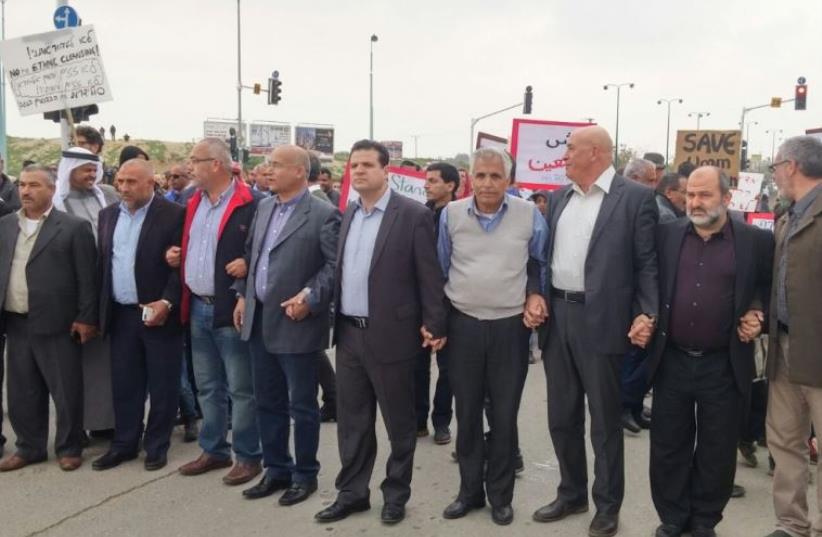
x: 642, y: 329
x: 750, y: 325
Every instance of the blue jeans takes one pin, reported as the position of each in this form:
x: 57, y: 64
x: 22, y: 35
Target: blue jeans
x: 634, y: 379
x: 188, y: 406
x: 286, y: 388
x: 222, y: 369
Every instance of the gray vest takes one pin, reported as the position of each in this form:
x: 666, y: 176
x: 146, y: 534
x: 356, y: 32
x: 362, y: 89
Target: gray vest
x: 488, y: 276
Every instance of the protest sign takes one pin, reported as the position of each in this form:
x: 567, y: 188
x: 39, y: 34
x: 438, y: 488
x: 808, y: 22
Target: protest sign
x: 409, y: 183
x: 761, y: 220
x: 319, y: 139
x: 816, y: 133
x: 538, y: 148
x: 745, y: 197
x: 394, y: 148
x: 55, y: 70
x: 265, y: 137
x: 489, y: 140
x: 722, y: 149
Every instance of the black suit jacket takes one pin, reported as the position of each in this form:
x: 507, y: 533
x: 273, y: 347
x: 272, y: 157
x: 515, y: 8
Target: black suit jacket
x: 754, y: 259
x: 162, y: 228
x: 405, y: 285
x: 621, y: 265
x: 60, y: 272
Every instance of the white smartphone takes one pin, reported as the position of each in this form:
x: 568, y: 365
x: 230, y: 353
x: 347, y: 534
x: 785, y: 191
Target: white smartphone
x: 148, y: 313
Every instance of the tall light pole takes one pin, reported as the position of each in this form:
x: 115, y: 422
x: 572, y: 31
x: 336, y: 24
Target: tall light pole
x: 616, y: 142
x: 772, y: 132
x: 3, y: 153
x: 240, y: 136
x: 668, y: 128
x: 699, y: 116
x: 374, y: 39
x: 748, y: 133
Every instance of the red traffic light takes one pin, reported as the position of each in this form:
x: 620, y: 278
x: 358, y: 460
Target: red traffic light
x: 800, y: 97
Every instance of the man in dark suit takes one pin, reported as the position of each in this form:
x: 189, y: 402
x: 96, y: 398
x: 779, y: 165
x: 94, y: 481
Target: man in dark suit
x: 48, y: 300
x: 714, y: 280
x: 603, y: 297
x: 389, y: 303
x: 138, y: 291
x: 283, y: 313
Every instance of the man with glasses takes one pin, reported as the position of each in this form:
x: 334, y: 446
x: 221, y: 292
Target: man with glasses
x: 179, y: 188
x: 670, y: 197
x: 659, y: 165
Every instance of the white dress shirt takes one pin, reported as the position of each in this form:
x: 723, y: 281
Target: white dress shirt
x: 573, y: 234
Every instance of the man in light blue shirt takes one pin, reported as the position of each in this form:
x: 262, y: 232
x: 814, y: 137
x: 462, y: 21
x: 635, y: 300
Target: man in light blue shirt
x: 124, y: 253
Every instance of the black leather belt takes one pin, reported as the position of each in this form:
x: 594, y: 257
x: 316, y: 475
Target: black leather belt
x: 357, y: 322
x: 15, y: 314
x: 128, y: 306
x: 697, y: 353
x: 783, y: 327
x: 574, y: 297
x: 208, y: 300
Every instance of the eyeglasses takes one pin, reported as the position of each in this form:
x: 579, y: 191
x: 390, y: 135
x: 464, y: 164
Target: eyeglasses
x: 773, y: 166
x: 198, y: 160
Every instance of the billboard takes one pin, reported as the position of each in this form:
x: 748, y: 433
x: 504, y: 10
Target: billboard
x: 265, y: 137
x: 221, y: 128
x: 394, y: 149
x: 319, y: 139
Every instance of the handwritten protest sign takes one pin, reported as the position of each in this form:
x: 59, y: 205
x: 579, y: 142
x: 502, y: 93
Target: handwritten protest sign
x: 746, y: 195
x: 409, y: 183
x: 538, y: 148
x: 55, y: 70
x: 710, y: 148
x: 761, y: 220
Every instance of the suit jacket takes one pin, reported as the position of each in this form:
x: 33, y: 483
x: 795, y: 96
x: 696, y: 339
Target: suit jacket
x: 9, y: 197
x: 621, y: 265
x: 753, y: 251
x: 804, y: 288
x: 231, y: 237
x: 405, y: 284
x: 304, y: 255
x: 60, y: 272
x: 162, y: 229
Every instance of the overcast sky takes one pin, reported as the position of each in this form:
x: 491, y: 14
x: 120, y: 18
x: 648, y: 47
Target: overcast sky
x: 173, y: 63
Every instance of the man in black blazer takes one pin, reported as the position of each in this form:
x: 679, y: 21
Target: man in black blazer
x: 714, y: 283
x: 138, y: 292
x: 389, y: 303
x: 48, y: 300
x: 603, y: 297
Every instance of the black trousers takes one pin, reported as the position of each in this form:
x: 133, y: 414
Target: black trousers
x: 2, y: 371
x: 327, y: 379
x: 363, y: 382
x: 39, y: 366
x: 754, y: 412
x: 697, y: 413
x: 487, y: 358
x: 143, y: 360
x: 443, y: 397
x: 574, y: 371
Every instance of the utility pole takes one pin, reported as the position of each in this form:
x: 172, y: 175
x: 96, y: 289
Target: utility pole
x: 668, y: 128
x: 3, y: 149
x: 374, y: 39
x: 616, y: 142
x: 240, y: 136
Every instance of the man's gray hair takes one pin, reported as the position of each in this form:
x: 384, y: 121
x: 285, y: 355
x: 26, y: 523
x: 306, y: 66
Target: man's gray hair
x: 219, y: 151
x: 639, y: 168
x: 806, y: 152
x: 492, y: 152
x: 51, y: 177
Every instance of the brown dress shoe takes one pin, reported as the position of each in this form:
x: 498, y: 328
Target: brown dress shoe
x: 204, y: 463
x: 242, y: 473
x: 15, y: 462
x: 69, y: 464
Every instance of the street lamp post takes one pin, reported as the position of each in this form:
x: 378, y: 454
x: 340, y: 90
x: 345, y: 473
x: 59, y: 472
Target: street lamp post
x: 2, y: 85
x: 374, y: 39
x: 239, y: 85
x: 699, y: 116
x: 668, y: 128
x: 616, y: 142
x: 772, y: 132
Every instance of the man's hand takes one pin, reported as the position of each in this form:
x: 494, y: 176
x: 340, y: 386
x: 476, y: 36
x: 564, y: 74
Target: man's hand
x: 536, y: 311
x: 641, y: 330
x: 161, y: 312
x: 173, y: 257
x: 237, y: 268
x: 296, y: 308
x: 429, y: 341
x: 239, y: 311
x: 84, y: 331
x: 750, y: 325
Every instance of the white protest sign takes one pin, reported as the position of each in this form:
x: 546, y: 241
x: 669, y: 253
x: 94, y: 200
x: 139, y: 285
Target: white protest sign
x: 538, y: 148
x: 409, y: 183
x: 55, y: 70
x: 745, y: 197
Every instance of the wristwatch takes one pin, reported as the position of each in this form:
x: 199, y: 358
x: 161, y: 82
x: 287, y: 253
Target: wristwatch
x: 168, y: 304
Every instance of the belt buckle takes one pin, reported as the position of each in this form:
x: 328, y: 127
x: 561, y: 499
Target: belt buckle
x: 360, y: 322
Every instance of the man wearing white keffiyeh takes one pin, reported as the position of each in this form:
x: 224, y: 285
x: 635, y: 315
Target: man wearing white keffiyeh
x: 79, y: 190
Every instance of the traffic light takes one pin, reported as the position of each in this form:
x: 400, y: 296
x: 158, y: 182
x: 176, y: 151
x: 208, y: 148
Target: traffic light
x: 744, y: 159
x: 78, y: 115
x: 529, y: 99
x: 800, y: 97
x: 274, y: 90
x: 232, y: 143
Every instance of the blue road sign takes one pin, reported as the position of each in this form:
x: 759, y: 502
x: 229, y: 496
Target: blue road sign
x: 66, y: 17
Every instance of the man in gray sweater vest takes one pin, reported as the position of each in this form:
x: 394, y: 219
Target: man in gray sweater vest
x: 492, y: 251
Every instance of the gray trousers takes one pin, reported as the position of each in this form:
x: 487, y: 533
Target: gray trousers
x: 39, y: 366
x: 575, y: 371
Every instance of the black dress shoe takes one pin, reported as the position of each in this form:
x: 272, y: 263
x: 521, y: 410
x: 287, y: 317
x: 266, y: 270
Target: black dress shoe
x: 298, y: 492
x: 703, y: 532
x: 668, y: 530
x: 338, y: 511
x: 642, y: 421
x: 604, y: 525
x: 459, y: 508
x: 155, y: 462
x: 502, y: 516
x: 190, y: 430
x: 519, y: 463
x: 328, y: 413
x: 629, y: 423
x: 392, y: 513
x: 266, y: 487
x: 557, y: 510
x: 112, y: 459
x: 738, y: 491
